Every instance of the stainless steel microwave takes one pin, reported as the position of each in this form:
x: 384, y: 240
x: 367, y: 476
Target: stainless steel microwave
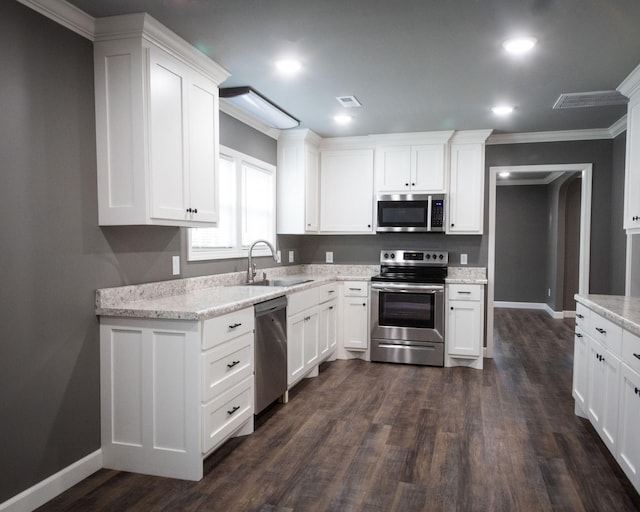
x: 420, y: 213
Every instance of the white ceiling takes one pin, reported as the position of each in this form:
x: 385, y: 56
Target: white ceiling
x: 415, y: 65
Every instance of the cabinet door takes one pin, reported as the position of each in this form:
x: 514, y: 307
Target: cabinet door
x: 393, y: 169
x: 628, y: 455
x: 311, y: 349
x: 346, y: 191
x: 580, y: 372
x: 632, y: 166
x: 466, y: 191
x: 602, y: 397
x: 427, y: 168
x: 464, y: 329
x: 203, y: 150
x: 327, y: 334
x: 167, y: 135
x: 356, y: 323
x: 295, y: 348
x: 311, y: 188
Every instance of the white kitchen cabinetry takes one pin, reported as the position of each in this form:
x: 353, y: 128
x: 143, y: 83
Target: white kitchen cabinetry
x: 156, y: 125
x: 610, y: 398
x: 464, y: 325
x: 416, y: 168
x: 628, y: 454
x: 630, y: 87
x: 174, y: 390
x: 346, y: 191
x: 311, y: 329
x: 355, y: 315
x: 466, y: 183
x: 298, y: 183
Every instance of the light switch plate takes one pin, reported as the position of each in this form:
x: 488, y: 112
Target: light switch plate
x: 463, y: 259
x: 175, y: 263
x: 278, y: 256
x: 291, y: 258
x: 329, y: 257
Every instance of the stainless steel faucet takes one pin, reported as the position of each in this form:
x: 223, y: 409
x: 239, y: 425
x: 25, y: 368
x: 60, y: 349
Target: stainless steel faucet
x: 251, y: 267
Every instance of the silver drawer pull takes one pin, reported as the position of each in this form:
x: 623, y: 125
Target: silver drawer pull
x: 355, y: 289
x: 234, y: 363
x: 331, y: 291
x: 600, y: 330
x: 233, y: 411
x: 235, y: 325
x: 463, y: 293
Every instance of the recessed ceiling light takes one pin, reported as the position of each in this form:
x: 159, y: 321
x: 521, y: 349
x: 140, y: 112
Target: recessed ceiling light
x: 504, y: 174
x: 342, y: 119
x: 288, y: 66
x: 502, y: 110
x: 519, y: 45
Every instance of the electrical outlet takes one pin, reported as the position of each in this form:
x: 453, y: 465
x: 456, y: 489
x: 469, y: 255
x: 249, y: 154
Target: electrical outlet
x: 175, y: 262
x: 549, y: 292
x: 463, y: 259
x: 278, y: 257
x: 329, y: 257
x: 291, y: 258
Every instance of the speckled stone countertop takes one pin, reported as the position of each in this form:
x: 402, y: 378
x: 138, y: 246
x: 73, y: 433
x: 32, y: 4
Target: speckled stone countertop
x: 621, y: 310
x: 204, y: 297
x: 467, y: 275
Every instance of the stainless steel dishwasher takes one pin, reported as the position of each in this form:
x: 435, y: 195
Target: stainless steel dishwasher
x: 270, y: 351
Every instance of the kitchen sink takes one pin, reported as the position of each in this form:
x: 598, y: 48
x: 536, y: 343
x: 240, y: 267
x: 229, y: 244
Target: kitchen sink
x: 278, y: 282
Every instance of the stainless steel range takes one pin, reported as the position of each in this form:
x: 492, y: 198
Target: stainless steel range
x: 407, y: 307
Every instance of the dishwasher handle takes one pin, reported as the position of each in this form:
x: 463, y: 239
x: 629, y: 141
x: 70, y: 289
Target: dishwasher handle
x: 269, y: 306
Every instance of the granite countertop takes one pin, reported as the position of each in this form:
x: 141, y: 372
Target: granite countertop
x: 200, y: 298
x: 205, y: 297
x: 621, y: 310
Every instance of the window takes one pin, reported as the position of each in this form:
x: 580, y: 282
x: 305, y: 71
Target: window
x: 247, y: 210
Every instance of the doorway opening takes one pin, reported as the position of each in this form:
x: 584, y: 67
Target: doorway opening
x: 585, y: 171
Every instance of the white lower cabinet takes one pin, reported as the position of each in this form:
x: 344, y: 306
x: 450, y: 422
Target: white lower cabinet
x: 464, y: 325
x: 174, y: 390
x: 606, y: 386
x: 355, y: 315
x: 311, y: 331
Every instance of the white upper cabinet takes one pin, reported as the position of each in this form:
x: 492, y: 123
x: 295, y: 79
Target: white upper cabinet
x: 631, y: 88
x: 298, y: 185
x: 418, y: 163
x: 156, y: 125
x: 346, y: 191
x: 466, y: 183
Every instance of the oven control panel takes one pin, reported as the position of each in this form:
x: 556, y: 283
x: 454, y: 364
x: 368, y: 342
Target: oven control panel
x: 417, y: 258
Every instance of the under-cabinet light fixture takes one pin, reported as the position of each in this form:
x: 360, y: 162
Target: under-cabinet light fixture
x: 256, y: 105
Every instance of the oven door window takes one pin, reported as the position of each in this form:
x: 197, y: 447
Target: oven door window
x: 406, y: 309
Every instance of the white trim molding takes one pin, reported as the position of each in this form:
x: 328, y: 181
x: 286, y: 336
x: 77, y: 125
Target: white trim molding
x: 65, y: 14
x: 56, y: 484
x: 533, y: 305
x: 250, y: 121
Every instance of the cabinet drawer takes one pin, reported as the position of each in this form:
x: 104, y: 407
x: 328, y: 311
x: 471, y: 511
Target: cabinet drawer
x: 225, y: 414
x: 300, y: 301
x: 327, y: 292
x: 465, y: 292
x: 582, y: 316
x: 606, y: 332
x: 225, y: 327
x: 356, y: 288
x: 226, y: 365
x: 631, y: 350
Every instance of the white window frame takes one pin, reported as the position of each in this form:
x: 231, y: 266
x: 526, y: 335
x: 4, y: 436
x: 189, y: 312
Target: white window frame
x: 239, y: 251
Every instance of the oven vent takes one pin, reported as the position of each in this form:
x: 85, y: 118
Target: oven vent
x: 348, y: 101
x: 590, y: 99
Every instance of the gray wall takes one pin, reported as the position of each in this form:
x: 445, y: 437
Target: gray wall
x: 521, y: 243
x: 54, y: 255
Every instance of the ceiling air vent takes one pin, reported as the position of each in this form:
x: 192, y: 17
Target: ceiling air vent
x: 590, y: 99
x: 348, y: 101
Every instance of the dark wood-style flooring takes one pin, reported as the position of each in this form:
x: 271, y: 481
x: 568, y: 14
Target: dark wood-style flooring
x: 383, y: 437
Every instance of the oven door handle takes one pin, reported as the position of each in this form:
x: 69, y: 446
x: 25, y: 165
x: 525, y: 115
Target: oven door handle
x: 405, y: 287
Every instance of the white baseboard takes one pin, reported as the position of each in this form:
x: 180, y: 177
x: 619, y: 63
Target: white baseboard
x: 56, y: 484
x: 530, y: 305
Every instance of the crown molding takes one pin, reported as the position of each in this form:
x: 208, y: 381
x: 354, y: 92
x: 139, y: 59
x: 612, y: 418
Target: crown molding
x: 250, y: 121
x: 618, y: 127
x: 631, y: 84
x: 558, y: 136
x: 65, y: 14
